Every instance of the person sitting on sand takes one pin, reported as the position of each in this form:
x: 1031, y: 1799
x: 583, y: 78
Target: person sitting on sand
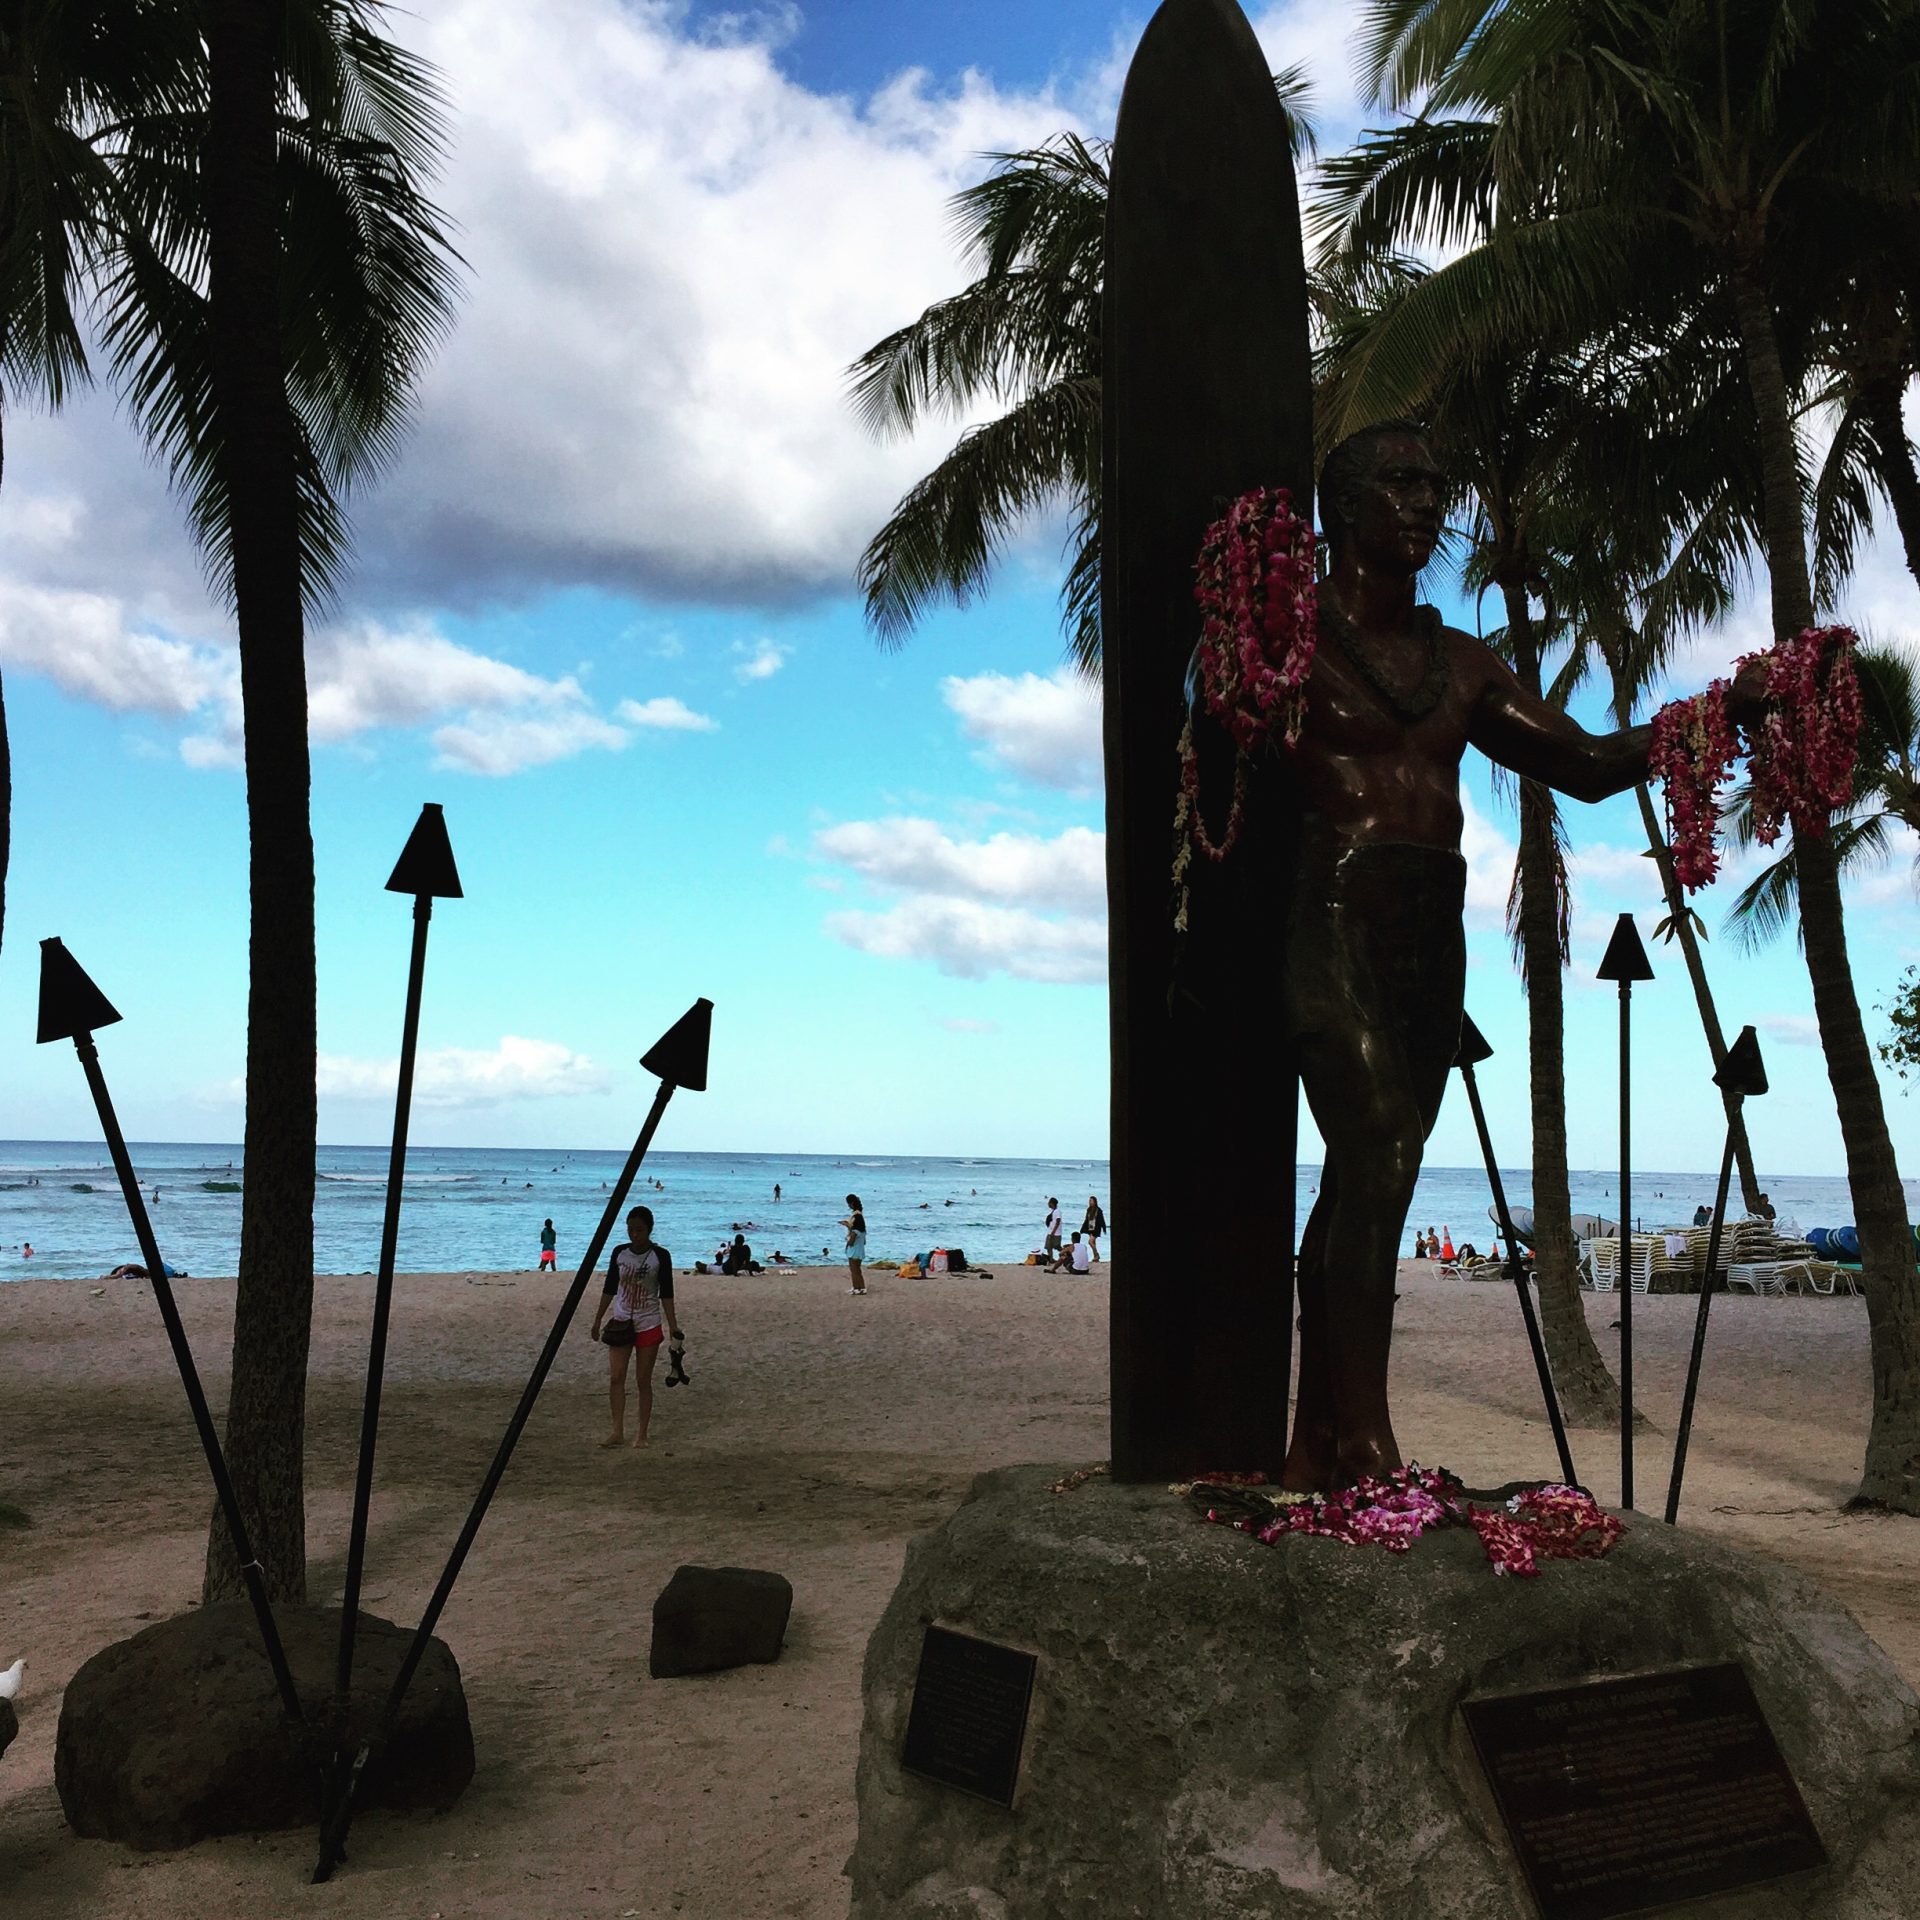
x: 855, y: 1222
x: 549, y: 1245
x: 739, y: 1257
x: 640, y: 1288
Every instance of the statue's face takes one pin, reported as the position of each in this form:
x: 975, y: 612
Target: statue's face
x: 1394, y: 519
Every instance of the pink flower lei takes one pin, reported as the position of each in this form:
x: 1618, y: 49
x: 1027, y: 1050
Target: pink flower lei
x: 1393, y: 1510
x: 1801, y: 755
x: 1255, y: 586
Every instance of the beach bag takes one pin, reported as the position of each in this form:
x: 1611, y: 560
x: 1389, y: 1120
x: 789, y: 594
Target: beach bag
x: 956, y: 1260
x: 937, y: 1260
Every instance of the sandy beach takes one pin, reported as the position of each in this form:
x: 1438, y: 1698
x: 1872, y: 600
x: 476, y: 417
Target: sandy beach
x: 819, y: 1435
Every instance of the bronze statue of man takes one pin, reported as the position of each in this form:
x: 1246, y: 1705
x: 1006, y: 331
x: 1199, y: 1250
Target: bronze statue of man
x: 1375, y: 961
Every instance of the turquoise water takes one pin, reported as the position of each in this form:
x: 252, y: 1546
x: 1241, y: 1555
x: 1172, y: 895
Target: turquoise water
x: 479, y: 1209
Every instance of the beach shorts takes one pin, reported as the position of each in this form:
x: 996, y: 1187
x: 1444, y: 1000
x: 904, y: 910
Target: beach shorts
x: 1053, y: 1243
x: 649, y: 1337
x: 547, y: 1258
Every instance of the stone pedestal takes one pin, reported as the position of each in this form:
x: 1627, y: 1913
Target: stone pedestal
x: 1220, y: 1728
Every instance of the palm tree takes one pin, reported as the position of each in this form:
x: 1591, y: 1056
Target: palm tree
x: 1709, y: 139
x: 268, y: 299
x: 1023, y: 336
x: 68, y: 76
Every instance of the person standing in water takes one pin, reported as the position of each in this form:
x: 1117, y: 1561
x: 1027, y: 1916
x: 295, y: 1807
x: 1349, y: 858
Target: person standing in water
x: 855, y: 1223
x: 637, y: 1297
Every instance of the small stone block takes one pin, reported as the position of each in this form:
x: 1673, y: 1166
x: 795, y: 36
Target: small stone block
x: 708, y: 1618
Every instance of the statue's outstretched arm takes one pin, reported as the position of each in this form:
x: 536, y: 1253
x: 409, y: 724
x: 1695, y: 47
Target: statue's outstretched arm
x: 1522, y: 732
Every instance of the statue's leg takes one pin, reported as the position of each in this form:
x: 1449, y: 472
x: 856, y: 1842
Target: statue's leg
x: 1314, y: 1452
x: 1363, y: 1101
x: 1375, y: 963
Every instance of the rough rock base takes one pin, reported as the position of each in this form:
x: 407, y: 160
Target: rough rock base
x: 1220, y: 1728
x: 178, y: 1733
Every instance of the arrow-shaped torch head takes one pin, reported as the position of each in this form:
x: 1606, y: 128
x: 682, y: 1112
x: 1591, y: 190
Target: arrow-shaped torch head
x: 70, y: 1004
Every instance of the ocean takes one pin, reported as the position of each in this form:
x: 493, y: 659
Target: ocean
x: 478, y: 1209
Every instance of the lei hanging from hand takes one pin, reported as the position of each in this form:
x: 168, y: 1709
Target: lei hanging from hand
x: 1254, y: 583
x: 1801, y: 754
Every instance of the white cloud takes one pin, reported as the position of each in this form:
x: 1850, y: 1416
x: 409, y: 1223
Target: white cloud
x: 1065, y: 873
x: 89, y: 645
x: 973, y: 906
x: 370, y: 676
x: 664, y: 713
x: 498, y: 744
x: 1043, y: 729
x: 1792, y: 1029
x: 1489, y: 855
x: 515, y: 1069
x: 972, y: 941
x: 760, y: 661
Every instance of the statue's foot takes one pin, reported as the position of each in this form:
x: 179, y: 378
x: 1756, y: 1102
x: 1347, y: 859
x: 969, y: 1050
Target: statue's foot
x: 1366, y: 1453
x: 1312, y: 1460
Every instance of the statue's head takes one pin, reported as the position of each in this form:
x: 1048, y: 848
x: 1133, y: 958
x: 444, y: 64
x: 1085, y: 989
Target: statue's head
x: 1381, y: 491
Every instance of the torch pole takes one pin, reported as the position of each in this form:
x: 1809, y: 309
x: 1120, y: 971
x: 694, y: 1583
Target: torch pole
x: 1516, y: 1269
x: 250, y: 1569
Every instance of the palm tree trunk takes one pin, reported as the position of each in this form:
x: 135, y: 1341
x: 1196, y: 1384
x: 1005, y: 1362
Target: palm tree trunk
x: 266, y: 1413
x: 1588, y: 1392
x: 1891, y: 1476
x: 1689, y: 942
x: 1893, y: 467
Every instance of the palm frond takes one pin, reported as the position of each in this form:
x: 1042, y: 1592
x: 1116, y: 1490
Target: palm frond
x: 941, y: 541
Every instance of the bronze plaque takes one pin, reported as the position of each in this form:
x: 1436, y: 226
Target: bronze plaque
x: 1624, y: 1796
x: 969, y: 1716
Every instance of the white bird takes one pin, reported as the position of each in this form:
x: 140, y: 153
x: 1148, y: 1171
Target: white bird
x: 10, y: 1680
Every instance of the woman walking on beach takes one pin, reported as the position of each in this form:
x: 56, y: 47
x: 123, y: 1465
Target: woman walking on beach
x: 856, y: 1226
x: 640, y: 1289
x: 1094, y: 1225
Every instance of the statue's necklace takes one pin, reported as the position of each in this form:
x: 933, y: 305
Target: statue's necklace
x: 1433, y: 684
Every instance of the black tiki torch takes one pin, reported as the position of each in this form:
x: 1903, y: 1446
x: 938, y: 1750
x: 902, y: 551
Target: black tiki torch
x: 1474, y: 1049
x: 1624, y: 962
x: 1744, y: 1073
x: 71, y: 1007
x: 427, y: 871
x: 679, y: 1058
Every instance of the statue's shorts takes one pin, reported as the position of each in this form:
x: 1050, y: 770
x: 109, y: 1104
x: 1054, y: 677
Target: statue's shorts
x: 1376, y: 975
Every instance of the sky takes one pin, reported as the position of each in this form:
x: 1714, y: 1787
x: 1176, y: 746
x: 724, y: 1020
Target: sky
x: 601, y: 609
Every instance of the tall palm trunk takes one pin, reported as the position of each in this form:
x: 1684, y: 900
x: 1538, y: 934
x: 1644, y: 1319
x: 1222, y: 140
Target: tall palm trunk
x: 1891, y: 1476
x: 1588, y: 1392
x: 266, y: 1414
x: 1681, y: 922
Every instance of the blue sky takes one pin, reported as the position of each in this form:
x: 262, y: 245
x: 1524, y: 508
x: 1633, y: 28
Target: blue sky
x: 601, y: 611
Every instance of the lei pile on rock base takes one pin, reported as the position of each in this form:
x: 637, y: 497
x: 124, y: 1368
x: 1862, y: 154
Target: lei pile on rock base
x: 1254, y: 583
x: 1551, y: 1522
x: 1801, y: 756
